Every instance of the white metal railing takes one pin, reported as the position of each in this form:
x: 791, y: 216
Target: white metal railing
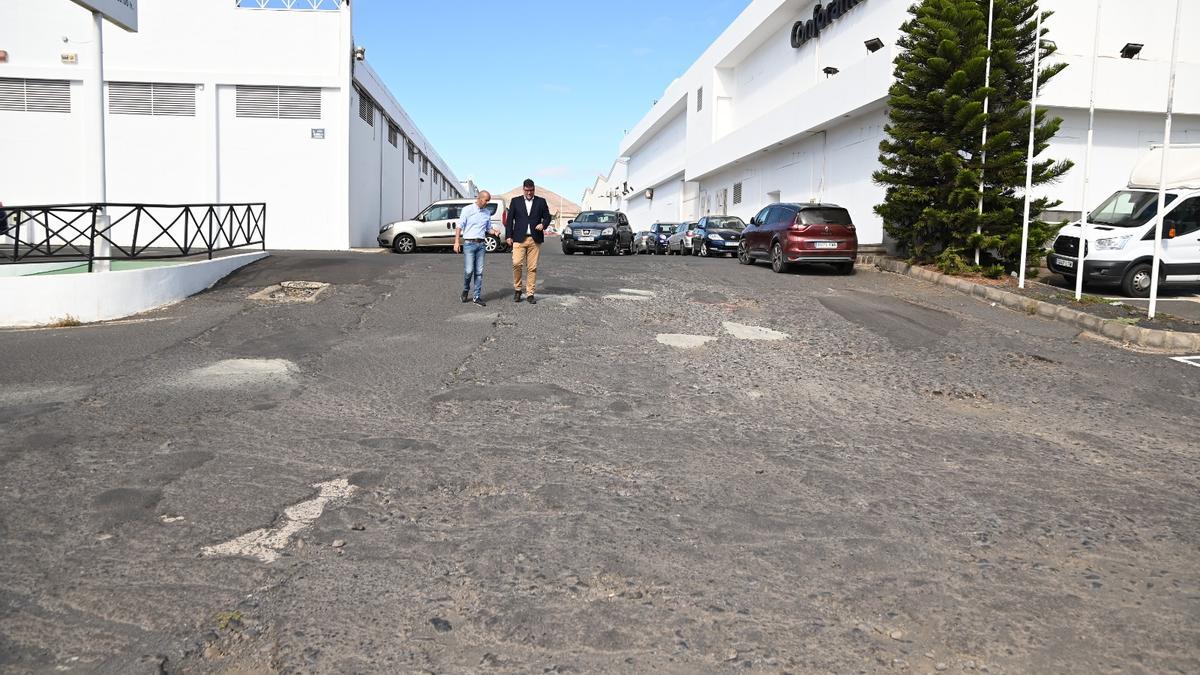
x: 301, y: 5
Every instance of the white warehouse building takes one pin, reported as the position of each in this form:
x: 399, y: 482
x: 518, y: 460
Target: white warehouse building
x: 237, y: 101
x: 756, y: 120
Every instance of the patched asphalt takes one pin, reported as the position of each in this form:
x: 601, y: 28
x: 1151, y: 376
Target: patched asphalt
x: 668, y: 464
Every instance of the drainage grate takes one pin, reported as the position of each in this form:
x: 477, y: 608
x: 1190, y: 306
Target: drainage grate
x: 291, y: 291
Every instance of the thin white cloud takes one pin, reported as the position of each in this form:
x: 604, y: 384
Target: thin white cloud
x: 552, y: 172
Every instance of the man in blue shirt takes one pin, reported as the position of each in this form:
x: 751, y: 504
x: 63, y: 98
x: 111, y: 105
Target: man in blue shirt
x: 470, y: 237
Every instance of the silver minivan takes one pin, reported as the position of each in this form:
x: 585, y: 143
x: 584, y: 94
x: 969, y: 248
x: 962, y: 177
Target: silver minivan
x: 434, y: 226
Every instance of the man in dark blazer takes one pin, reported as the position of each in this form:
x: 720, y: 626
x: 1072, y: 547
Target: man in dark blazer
x: 528, y: 218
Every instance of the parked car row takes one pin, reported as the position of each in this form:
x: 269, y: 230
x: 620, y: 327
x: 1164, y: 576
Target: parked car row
x: 781, y: 233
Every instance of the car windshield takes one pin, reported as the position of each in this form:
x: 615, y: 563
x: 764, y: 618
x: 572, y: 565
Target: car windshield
x: 491, y: 207
x: 597, y: 217
x: 825, y: 216
x: 726, y: 223
x: 1127, y: 209
x: 665, y: 228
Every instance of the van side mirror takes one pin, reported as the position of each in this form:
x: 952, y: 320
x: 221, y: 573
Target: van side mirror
x: 754, y: 220
x: 570, y: 221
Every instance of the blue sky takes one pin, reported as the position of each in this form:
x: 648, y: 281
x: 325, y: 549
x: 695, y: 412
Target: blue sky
x: 538, y: 89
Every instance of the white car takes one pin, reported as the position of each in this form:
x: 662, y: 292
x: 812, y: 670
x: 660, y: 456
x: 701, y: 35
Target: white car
x: 434, y: 227
x: 1120, y: 233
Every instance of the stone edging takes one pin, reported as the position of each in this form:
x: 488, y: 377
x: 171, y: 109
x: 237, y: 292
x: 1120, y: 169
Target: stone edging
x: 1149, y: 338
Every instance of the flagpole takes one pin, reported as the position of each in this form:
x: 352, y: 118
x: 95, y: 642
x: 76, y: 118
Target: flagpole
x: 1087, y: 160
x: 1037, y: 53
x: 1162, y: 173
x: 987, y: 83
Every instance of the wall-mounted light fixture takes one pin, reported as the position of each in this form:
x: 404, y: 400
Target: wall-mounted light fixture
x: 873, y: 45
x: 829, y: 70
x: 360, y: 53
x: 1130, y: 50
x: 3, y: 56
x: 650, y: 193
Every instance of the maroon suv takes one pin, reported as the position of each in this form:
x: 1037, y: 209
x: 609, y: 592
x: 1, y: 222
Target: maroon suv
x: 800, y: 233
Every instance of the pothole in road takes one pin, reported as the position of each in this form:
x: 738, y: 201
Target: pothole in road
x: 742, y: 331
x: 291, y: 291
x: 683, y: 341
x: 264, y: 545
x: 239, y: 372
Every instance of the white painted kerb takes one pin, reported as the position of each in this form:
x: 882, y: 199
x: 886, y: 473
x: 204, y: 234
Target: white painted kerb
x: 34, y: 301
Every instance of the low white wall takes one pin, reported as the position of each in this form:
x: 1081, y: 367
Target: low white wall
x: 101, y: 296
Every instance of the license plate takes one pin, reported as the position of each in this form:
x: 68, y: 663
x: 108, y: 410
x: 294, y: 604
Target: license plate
x: 1063, y: 262
x: 731, y: 244
x: 586, y: 238
x: 824, y: 244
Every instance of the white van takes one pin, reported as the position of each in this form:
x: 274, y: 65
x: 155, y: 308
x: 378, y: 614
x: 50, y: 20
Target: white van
x: 1120, y: 232
x: 435, y: 225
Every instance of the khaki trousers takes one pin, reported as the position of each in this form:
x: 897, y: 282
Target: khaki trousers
x: 525, y: 256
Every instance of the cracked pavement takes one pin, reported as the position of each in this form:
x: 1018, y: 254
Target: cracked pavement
x: 909, y: 480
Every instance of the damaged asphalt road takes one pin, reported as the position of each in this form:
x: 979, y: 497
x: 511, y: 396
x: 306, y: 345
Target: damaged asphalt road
x: 667, y: 464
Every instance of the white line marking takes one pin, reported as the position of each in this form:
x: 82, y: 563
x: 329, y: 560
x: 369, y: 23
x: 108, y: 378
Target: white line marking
x: 1190, y: 360
x: 743, y: 332
x: 634, y: 291
x: 621, y: 296
x: 264, y: 544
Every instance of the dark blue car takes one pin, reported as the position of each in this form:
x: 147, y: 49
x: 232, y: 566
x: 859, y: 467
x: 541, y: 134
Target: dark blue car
x: 655, y: 240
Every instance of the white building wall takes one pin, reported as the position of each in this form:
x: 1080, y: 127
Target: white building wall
x: 301, y: 168
x: 772, y: 120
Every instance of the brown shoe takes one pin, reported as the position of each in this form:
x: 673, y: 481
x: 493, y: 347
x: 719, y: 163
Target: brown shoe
x: 516, y: 296
x: 532, y: 300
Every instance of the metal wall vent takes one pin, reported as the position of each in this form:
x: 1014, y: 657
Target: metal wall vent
x: 366, y: 108
x: 22, y: 95
x: 289, y: 103
x: 152, y: 98
x: 737, y: 193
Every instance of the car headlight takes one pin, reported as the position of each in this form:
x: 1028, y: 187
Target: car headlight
x: 715, y: 236
x: 1113, y: 243
x: 385, y: 228
x: 608, y: 230
x: 567, y: 231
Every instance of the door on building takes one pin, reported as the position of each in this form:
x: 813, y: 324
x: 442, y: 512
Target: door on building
x: 723, y: 201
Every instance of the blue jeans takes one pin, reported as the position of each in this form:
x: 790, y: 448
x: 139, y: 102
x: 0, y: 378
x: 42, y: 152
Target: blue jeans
x: 473, y: 267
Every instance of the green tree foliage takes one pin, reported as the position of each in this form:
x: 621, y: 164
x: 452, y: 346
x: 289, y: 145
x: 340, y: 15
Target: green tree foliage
x: 933, y: 156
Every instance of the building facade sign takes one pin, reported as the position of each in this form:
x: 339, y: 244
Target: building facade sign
x: 121, y: 12
x: 823, y: 15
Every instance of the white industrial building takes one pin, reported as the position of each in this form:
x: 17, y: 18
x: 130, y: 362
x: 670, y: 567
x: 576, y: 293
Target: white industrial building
x: 756, y: 119
x: 214, y: 102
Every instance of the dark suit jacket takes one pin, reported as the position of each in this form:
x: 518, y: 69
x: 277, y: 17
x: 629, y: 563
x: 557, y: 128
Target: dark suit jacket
x: 522, y: 224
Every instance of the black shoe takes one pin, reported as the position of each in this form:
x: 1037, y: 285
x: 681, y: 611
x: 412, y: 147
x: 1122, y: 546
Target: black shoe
x: 480, y: 302
x: 516, y: 296
x: 464, y: 296
x: 532, y: 300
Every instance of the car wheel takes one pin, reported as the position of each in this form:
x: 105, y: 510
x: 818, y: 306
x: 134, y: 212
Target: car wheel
x: 743, y: 254
x: 778, y: 264
x: 490, y: 244
x: 844, y: 268
x: 404, y: 243
x: 704, y: 252
x: 1136, y: 283
x: 1070, y: 279
x: 567, y: 251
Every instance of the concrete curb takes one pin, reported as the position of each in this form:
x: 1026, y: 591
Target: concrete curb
x: 1148, y: 338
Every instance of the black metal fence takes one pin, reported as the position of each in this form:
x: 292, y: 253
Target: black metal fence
x: 77, y: 233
